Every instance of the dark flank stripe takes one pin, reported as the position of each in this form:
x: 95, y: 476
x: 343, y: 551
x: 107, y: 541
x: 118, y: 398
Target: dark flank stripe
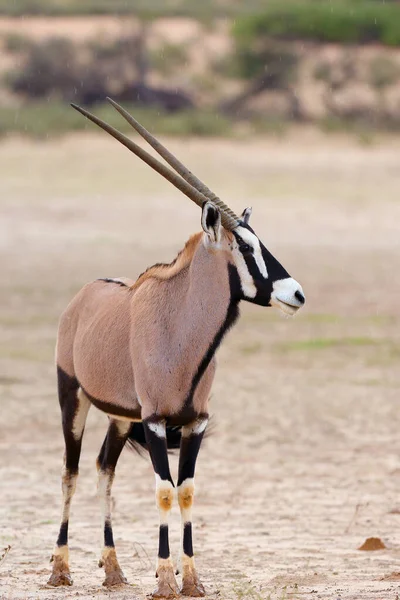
x: 108, y: 535
x: 63, y: 535
x: 232, y: 314
x: 187, y: 540
x: 163, y: 545
x: 113, y: 409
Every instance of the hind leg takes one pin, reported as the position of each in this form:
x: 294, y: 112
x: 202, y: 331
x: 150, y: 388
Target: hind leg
x: 106, y: 462
x: 74, y: 409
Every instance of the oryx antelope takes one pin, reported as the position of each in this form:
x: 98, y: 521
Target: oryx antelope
x: 143, y: 352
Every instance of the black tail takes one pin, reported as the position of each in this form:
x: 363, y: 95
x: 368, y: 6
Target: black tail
x: 137, y: 441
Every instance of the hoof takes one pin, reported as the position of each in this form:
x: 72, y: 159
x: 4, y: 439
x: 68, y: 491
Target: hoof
x: 194, y: 589
x: 58, y: 579
x: 165, y: 590
x: 60, y: 575
x: 114, y: 575
x: 166, y: 585
x: 115, y: 578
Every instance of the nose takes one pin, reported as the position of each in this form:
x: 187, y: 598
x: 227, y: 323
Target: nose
x: 299, y: 297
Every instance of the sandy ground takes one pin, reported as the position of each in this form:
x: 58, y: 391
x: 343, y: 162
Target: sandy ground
x: 304, y: 463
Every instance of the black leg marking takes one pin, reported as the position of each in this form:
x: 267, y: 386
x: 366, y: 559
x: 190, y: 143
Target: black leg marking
x: 187, y: 539
x: 74, y: 411
x: 108, y: 535
x: 110, y: 452
x: 163, y: 544
x: 155, y: 433
x: 157, y: 445
x: 192, y: 436
x: 62, y: 539
x: 111, y: 449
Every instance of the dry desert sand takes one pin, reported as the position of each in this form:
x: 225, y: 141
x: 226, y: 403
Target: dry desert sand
x: 304, y: 463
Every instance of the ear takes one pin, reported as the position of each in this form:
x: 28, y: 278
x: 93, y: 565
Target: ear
x: 246, y: 215
x: 211, y: 221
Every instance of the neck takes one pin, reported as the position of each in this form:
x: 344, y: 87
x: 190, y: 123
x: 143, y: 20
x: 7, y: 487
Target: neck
x: 210, y: 304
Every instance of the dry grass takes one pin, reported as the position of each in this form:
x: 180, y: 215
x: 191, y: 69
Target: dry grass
x: 306, y: 410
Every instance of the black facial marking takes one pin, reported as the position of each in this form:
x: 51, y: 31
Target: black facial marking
x: 108, y: 535
x: 275, y: 270
x: 163, y: 543
x: 62, y: 539
x: 187, y: 539
x: 234, y: 283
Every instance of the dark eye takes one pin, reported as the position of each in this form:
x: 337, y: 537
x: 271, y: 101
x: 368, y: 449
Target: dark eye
x: 245, y: 249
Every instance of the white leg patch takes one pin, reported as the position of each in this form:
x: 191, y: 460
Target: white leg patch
x: 158, y: 429
x: 80, y: 415
x: 165, y: 493
x: 195, y: 428
x: 185, y: 499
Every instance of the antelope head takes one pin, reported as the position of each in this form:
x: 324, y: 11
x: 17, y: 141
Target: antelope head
x: 258, y: 276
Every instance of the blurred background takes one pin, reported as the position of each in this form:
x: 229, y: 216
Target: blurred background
x: 205, y: 68
x: 292, y: 107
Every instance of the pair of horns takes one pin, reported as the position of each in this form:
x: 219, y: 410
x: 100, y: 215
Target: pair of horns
x: 183, y: 179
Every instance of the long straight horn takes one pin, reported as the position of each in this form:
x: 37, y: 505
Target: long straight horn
x: 197, y: 197
x: 155, y: 164
x: 174, y: 162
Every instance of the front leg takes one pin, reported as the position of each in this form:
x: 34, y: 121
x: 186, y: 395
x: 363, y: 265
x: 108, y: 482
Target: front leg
x: 155, y: 433
x: 190, y: 445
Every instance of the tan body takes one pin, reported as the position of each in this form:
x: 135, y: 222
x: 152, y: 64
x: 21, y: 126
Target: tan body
x: 136, y: 348
x: 144, y: 351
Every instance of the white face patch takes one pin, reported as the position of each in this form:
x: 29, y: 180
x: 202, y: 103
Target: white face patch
x: 284, y: 295
x: 249, y: 238
x: 246, y: 280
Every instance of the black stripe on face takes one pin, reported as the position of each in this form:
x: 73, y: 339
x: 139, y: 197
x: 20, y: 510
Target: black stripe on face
x: 108, y: 535
x: 187, y: 540
x: 63, y: 535
x: 163, y: 543
x: 249, y: 259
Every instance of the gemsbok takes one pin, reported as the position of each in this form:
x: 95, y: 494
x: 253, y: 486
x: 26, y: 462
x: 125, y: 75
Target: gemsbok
x: 143, y: 352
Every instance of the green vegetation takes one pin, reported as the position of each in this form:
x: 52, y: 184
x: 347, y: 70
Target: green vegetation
x: 204, y: 10
x: 356, y: 22
x: 44, y: 119
x: 323, y: 343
